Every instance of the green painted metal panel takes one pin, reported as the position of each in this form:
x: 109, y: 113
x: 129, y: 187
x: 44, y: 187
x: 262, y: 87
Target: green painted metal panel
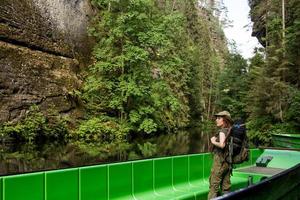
x: 196, y: 174
x: 62, y: 184
x: 196, y: 167
x: 207, y: 163
x: 1, y: 189
x: 188, y: 196
x: 29, y: 187
x: 180, y: 170
x: 238, y: 182
x: 254, y: 155
x: 120, y: 180
x: 143, y: 176
x: 286, y: 140
x: 181, y: 177
x: 162, y: 172
x: 201, y: 196
x: 282, y: 159
x: 296, y: 136
x: 163, y: 177
x: 93, y: 183
x: 255, y: 177
x: 178, y: 177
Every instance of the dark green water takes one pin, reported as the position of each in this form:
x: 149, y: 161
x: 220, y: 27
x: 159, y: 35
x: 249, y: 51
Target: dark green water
x: 20, y: 158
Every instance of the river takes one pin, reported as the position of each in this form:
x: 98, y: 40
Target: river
x: 21, y: 158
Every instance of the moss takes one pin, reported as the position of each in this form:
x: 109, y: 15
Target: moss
x: 35, y: 77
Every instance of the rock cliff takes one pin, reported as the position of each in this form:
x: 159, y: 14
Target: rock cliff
x: 43, y: 45
x: 258, y: 17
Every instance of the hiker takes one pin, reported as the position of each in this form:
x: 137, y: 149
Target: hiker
x: 220, y: 172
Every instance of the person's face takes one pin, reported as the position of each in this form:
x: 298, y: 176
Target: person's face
x: 220, y: 121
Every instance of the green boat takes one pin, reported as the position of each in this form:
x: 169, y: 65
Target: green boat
x: 177, y: 177
x: 286, y: 140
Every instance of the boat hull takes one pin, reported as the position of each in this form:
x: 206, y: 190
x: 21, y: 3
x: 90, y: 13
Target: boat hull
x: 285, y: 185
x: 286, y: 140
x: 178, y: 177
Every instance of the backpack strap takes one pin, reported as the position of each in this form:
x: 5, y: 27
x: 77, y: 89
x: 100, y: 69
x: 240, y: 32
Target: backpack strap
x: 228, y: 134
x: 228, y: 154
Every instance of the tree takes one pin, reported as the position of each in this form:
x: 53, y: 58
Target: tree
x: 140, y: 74
x: 233, y: 86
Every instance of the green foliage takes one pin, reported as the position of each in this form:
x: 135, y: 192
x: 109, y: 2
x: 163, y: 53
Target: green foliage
x: 31, y: 126
x: 148, y: 149
x: 104, y: 130
x: 36, y: 126
x: 258, y: 131
x: 273, y: 98
x: 267, y: 101
x: 140, y: 73
x: 208, y: 126
x: 257, y: 94
x: 148, y: 126
x: 293, y: 112
x: 283, y: 128
x: 233, y: 86
x: 206, y: 56
x: 293, y: 42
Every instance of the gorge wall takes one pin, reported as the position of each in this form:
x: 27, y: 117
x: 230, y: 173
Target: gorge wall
x: 43, y: 46
x: 258, y: 15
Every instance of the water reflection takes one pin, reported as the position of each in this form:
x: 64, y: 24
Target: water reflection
x: 17, y: 158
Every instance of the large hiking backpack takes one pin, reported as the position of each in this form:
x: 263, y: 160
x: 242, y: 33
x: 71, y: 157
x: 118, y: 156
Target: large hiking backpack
x: 237, y: 144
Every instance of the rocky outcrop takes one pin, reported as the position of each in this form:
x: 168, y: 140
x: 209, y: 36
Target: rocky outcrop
x: 55, y: 26
x: 258, y: 15
x: 30, y: 77
x: 43, y: 45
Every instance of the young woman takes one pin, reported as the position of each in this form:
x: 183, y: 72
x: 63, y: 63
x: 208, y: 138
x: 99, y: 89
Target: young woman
x: 220, y: 172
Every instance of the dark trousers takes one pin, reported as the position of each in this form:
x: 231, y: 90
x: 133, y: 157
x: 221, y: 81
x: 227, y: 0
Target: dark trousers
x: 219, y: 177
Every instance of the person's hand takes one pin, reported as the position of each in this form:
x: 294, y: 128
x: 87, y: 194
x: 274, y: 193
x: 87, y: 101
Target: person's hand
x: 213, y: 139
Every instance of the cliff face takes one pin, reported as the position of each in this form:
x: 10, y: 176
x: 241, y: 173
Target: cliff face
x: 258, y: 17
x: 43, y: 44
x: 269, y: 13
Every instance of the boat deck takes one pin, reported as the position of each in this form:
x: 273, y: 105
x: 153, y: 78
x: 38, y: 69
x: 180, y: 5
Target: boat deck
x: 261, y: 170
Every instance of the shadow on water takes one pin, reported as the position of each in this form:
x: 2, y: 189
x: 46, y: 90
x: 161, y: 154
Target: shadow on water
x: 21, y: 158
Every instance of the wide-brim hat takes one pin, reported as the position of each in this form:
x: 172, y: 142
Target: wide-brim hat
x: 224, y: 114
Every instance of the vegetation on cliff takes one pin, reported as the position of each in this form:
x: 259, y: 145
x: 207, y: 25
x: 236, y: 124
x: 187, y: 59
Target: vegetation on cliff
x: 155, y: 68
x: 273, y: 104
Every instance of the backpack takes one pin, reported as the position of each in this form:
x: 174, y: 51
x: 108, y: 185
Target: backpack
x: 237, y: 144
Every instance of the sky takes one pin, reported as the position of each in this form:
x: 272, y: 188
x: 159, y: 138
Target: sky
x: 238, y: 13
